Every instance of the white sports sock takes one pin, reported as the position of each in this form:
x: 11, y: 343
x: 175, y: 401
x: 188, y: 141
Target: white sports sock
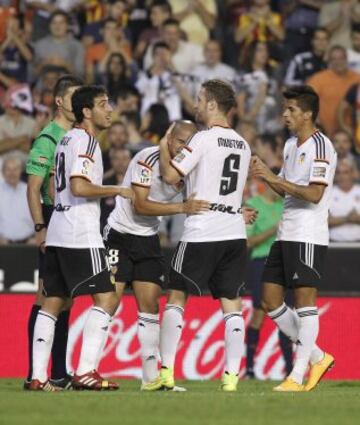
x: 96, y: 325
x: 149, y: 337
x: 170, y: 334
x: 103, y: 344
x: 234, y: 341
x: 308, y: 333
x: 288, y: 322
x: 44, y: 331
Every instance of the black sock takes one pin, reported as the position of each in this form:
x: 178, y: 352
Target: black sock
x: 31, y: 324
x: 58, y: 352
x: 252, y: 342
x: 287, y: 352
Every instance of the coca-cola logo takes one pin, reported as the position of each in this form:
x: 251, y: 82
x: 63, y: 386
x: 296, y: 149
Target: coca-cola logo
x: 201, y: 350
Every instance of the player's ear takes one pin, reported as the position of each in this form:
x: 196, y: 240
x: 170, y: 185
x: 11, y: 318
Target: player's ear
x: 308, y: 115
x: 58, y: 101
x: 87, y: 113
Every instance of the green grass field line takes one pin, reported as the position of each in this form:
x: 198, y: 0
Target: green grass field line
x: 332, y: 403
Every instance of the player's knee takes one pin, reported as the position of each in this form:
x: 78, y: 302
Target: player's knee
x: 107, y: 301
x: 151, y: 307
x: 268, y: 305
x: 177, y: 297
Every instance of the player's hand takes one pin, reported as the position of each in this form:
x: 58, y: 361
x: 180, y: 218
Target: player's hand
x: 249, y: 214
x: 127, y: 193
x: 40, y: 238
x: 195, y: 206
x: 259, y: 169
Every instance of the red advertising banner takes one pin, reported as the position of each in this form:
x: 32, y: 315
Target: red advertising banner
x: 201, y: 350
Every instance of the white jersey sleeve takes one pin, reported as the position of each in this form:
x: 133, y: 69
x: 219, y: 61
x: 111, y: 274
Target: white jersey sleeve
x: 83, y: 164
x: 320, y: 167
x: 141, y: 174
x: 190, y: 155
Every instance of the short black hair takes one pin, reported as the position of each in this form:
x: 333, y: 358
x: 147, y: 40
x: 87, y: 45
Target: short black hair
x: 162, y: 4
x: 59, y: 12
x: 84, y: 97
x: 222, y: 92
x: 64, y: 83
x: 306, y: 98
x: 171, y: 21
x: 320, y: 29
x: 160, y: 45
x: 125, y: 91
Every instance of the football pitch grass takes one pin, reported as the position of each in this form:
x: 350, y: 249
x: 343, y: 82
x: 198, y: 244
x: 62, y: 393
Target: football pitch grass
x: 332, y: 403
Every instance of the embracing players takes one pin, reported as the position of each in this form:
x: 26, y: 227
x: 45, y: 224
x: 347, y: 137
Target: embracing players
x: 296, y: 258
x: 132, y: 238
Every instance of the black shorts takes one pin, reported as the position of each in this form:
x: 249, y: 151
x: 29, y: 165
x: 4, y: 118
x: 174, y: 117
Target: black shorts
x: 134, y: 257
x: 220, y: 266
x: 72, y: 272
x: 295, y: 264
x: 47, y: 211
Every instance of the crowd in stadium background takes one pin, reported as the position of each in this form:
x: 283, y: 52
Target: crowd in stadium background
x: 152, y: 57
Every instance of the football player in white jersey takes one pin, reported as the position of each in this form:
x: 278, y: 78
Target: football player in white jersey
x: 133, y: 242
x: 75, y: 258
x: 212, y: 249
x: 296, y: 258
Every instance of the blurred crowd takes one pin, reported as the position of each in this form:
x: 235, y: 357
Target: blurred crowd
x: 153, y: 55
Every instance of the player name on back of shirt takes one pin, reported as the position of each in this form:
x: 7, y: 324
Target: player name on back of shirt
x: 231, y: 143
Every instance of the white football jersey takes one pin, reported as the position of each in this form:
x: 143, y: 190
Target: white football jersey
x: 143, y: 171
x: 215, y: 163
x: 75, y: 222
x: 312, y: 162
x: 341, y: 204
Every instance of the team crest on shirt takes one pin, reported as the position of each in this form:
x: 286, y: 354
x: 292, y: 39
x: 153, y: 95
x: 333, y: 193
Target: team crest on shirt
x: 302, y: 158
x: 179, y: 157
x: 86, y: 167
x: 145, y: 176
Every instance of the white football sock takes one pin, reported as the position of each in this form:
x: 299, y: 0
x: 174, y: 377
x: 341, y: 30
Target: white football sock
x: 95, y: 329
x: 234, y: 341
x: 288, y: 322
x: 103, y: 344
x: 170, y: 334
x: 149, y: 337
x: 44, y: 331
x: 308, y: 333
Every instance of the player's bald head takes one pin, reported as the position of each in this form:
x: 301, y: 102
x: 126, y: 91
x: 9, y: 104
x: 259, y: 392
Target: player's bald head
x: 184, y: 126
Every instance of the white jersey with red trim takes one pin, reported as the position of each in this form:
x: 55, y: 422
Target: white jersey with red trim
x: 312, y: 162
x: 75, y: 222
x: 215, y: 163
x: 143, y: 171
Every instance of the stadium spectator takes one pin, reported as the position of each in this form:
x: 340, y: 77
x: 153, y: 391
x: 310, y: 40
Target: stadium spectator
x: 344, y: 217
x: 197, y: 18
x: 348, y: 114
x: 305, y: 64
x: 212, y: 67
x: 6, y: 12
x: 16, y: 128
x: 156, y: 84
x: 338, y: 17
x: 119, y: 160
x: 136, y: 140
x: 155, y: 122
x: 258, y: 90
x: 261, y: 24
x: 184, y: 55
x: 116, y: 10
x: 160, y: 11
x: 16, y: 225
x: 59, y: 48
x: 343, y: 144
x: 97, y: 55
x: 44, y: 87
x: 15, y: 52
x: 127, y: 99
x: 300, y: 21
x: 331, y: 85
x: 353, y: 54
x: 116, y: 137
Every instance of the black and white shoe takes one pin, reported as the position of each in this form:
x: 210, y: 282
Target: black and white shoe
x: 64, y: 383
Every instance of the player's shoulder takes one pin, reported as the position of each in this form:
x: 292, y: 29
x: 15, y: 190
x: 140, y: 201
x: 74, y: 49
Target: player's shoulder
x: 148, y: 156
x: 322, y: 145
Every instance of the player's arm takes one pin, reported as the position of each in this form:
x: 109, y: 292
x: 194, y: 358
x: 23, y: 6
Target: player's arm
x: 34, y: 200
x: 169, y: 174
x: 144, y: 206
x: 82, y: 187
x: 310, y: 193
